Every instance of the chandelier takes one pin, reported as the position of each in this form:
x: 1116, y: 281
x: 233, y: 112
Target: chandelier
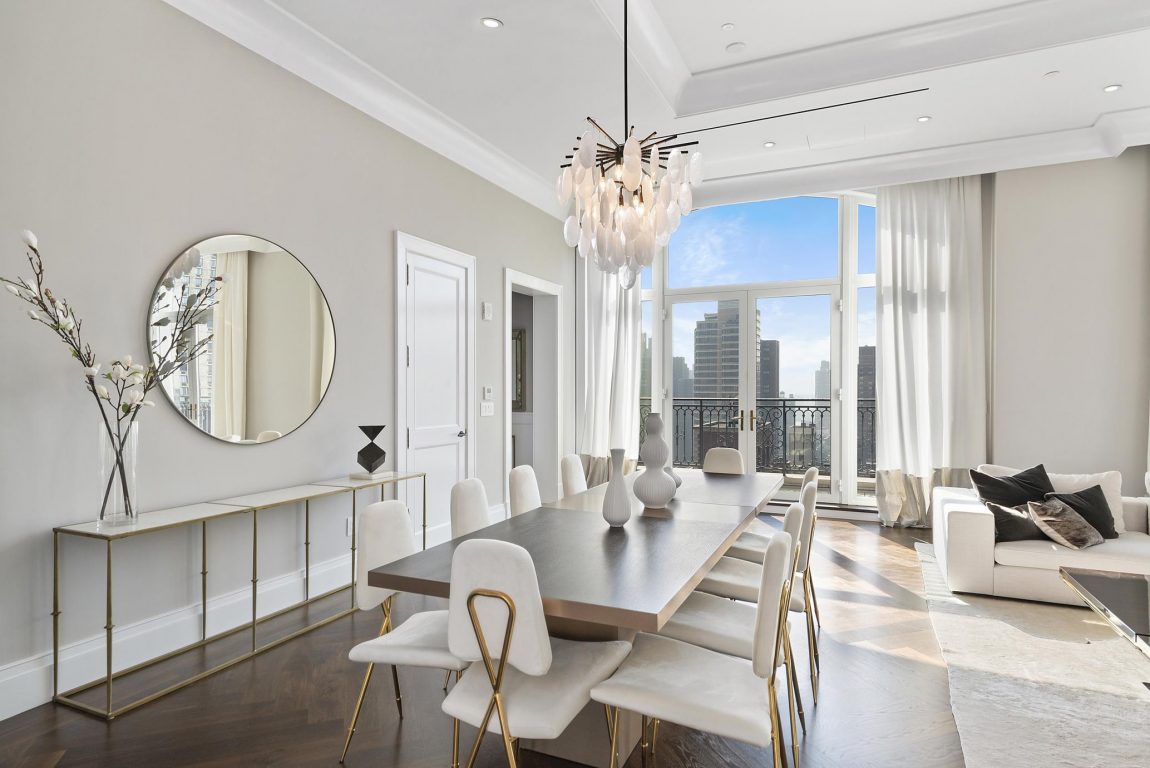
x: 627, y: 198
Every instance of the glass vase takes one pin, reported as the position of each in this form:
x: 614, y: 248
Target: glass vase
x: 117, y: 489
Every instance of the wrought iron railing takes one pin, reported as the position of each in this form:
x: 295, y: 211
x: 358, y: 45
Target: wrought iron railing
x: 791, y: 434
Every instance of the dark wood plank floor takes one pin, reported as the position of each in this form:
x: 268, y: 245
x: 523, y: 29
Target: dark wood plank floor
x: 883, y: 698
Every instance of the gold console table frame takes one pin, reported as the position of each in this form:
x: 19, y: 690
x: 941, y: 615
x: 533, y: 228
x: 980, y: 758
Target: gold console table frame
x: 202, y: 514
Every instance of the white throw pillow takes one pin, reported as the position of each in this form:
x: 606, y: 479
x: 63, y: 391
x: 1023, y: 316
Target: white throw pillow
x: 1111, y: 483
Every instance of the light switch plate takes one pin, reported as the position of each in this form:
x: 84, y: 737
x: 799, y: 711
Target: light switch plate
x: 487, y: 408
x: 486, y: 311
x: 487, y: 393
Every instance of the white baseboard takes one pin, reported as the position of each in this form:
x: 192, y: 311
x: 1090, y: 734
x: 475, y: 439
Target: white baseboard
x: 28, y: 683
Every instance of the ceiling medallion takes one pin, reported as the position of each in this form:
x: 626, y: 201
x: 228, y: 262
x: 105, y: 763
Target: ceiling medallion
x: 628, y: 197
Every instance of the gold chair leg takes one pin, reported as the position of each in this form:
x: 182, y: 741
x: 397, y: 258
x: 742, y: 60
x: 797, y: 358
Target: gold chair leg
x: 509, y: 745
x: 446, y: 679
x: 398, y: 695
x: 791, y: 691
x: 813, y: 653
x: 808, y: 607
x: 654, y: 739
x: 482, y: 732
x: 355, y: 714
x: 793, y: 680
x: 454, y: 743
x: 780, y: 754
x: 614, y: 737
x: 809, y: 588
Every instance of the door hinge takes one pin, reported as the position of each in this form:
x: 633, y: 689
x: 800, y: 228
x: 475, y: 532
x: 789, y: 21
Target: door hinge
x: 839, y: 394
x: 664, y: 314
x: 839, y: 305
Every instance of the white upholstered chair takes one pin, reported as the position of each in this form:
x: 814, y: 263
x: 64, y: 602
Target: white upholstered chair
x: 524, y: 490
x: 469, y: 510
x: 525, y: 684
x: 723, y: 461
x: 667, y: 679
x: 574, y: 478
x: 752, y: 542
x: 268, y: 435
x: 385, y: 535
x: 728, y: 626
x: 735, y: 578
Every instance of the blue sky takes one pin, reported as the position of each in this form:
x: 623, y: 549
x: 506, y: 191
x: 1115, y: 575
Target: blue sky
x: 790, y: 239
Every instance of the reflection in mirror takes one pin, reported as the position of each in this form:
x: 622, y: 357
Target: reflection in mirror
x: 270, y: 339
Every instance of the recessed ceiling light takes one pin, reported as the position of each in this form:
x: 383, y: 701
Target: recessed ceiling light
x: 736, y: 47
x: 727, y: 27
x: 1052, y: 73
x: 924, y: 118
x: 768, y: 144
x: 1113, y: 87
x: 490, y: 22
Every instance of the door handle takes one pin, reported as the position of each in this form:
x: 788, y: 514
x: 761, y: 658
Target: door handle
x: 462, y: 433
x: 742, y: 418
x: 753, y: 419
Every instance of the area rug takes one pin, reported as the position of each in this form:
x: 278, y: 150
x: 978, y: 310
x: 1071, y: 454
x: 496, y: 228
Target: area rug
x: 1034, y: 685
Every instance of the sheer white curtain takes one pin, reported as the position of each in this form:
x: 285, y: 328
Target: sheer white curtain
x: 610, y: 407
x: 230, y: 348
x: 931, y: 420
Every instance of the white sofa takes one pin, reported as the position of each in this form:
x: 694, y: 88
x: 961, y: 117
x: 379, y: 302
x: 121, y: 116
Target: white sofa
x: 971, y: 561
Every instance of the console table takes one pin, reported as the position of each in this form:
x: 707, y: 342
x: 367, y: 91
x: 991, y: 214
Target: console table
x: 201, y: 515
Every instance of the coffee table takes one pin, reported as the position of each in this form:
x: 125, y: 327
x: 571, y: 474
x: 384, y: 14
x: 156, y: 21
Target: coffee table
x: 1122, y: 599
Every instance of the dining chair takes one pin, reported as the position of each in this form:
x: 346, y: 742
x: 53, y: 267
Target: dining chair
x: 752, y: 542
x: 524, y: 490
x: 386, y: 535
x: 574, y: 478
x: 529, y: 685
x: 723, y: 461
x: 668, y: 679
x: 469, y: 510
x: 727, y: 626
x: 735, y: 578
x: 268, y: 435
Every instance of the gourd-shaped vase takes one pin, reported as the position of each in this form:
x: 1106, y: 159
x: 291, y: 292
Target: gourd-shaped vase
x: 616, y: 503
x: 670, y: 470
x: 655, y: 488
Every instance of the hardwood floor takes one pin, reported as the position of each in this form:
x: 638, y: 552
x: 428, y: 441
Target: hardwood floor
x: 883, y: 695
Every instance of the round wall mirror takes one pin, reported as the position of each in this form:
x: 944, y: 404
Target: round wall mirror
x: 268, y: 339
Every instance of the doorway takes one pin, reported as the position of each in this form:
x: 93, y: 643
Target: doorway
x: 532, y: 311
x: 435, y: 381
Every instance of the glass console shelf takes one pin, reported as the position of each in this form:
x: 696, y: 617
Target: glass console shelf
x: 200, y: 515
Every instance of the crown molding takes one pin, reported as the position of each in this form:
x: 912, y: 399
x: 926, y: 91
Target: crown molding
x: 268, y: 30
x: 1109, y: 136
x: 990, y: 34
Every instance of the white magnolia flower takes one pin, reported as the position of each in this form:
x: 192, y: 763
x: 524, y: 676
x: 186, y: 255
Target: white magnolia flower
x: 30, y: 238
x: 148, y: 404
x: 135, y: 379
x: 102, y: 391
x: 14, y: 290
x: 132, y: 397
x: 92, y: 370
x: 126, y: 361
x: 67, y: 323
x: 136, y: 368
x: 33, y: 315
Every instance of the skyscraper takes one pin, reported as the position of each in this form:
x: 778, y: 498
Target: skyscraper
x: 717, y: 347
x: 823, y: 381
x: 866, y: 385
x: 768, y: 369
x: 681, y: 382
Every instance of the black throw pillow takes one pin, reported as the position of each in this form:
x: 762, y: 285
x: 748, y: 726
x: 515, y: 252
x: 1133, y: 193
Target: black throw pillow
x: 1014, y: 523
x: 1028, y: 485
x: 1092, y: 505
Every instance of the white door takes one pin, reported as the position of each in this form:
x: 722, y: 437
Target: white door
x: 436, y: 349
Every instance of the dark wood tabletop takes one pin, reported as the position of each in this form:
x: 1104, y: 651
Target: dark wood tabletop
x: 635, y: 577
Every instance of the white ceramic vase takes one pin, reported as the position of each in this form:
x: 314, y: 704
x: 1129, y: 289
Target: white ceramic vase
x: 616, y: 504
x: 655, y: 488
x: 670, y: 470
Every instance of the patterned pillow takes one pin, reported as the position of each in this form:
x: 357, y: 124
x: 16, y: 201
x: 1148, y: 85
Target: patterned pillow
x: 1062, y: 524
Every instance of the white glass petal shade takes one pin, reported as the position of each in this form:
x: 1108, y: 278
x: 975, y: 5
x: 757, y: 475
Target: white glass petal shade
x: 571, y: 231
x: 577, y: 173
x: 584, y: 243
x: 659, y: 219
x: 663, y: 194
x: 648, y: 189
x: 632, y: 176
x: 586, y: 153
x: 627, y: 276
x: 696, y: 168
x: 564, y: 185
x: 662, y: 238
x: 586, y: 226
x: 607, y: 203
x: 630, y: 222
x: 601, y: 239
x: 645, y: 249
x: 631, y: 148
x: 686, y: 199
x: 673, y: 215
x: 618, y: 251
x: 586, y: 186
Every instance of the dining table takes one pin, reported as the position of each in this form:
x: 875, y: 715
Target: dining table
x: 603, y: 583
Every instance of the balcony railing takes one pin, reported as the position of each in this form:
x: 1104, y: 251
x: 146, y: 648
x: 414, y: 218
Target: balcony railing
x: 791, y: 434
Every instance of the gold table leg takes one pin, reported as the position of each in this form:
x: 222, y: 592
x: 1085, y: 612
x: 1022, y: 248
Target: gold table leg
x: 108, y: 633
x: 255, y: 571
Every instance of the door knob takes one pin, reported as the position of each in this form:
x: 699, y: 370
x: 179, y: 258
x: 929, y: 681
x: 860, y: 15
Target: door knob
x: 462, y: 433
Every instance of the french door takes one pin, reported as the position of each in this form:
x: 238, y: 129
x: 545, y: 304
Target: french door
x: 758, y: 371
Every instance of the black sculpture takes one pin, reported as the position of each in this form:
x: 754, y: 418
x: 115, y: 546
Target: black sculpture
x: 371, y: 456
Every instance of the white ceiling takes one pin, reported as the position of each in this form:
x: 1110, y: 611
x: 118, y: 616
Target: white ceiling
x: 508, y: 103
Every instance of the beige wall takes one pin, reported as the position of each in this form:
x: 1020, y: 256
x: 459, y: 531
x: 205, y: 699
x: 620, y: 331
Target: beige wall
x: 1072, y: 316
x: 129, y: 132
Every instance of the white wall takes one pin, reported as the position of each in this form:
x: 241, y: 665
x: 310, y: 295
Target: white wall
x: 131, y: 131
x: 1072, y: 316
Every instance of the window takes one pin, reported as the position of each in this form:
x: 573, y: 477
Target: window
x: 767, y: 342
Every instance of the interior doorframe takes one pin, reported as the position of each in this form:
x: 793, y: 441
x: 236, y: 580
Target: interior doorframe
x: 403, y: 243
x: 515, y: 281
